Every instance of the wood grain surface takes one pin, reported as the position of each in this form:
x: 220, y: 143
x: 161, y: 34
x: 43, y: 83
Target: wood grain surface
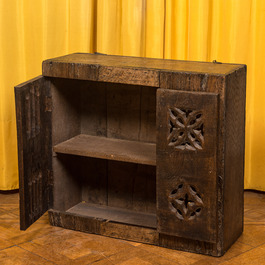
x: 114, y: 214
x: 92, y: 66
x: 109, y: 148
x: 33, y: 115
x: 186, y: 178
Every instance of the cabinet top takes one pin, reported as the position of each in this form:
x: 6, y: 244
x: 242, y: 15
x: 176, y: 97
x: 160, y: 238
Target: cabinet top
x: 113, y: 68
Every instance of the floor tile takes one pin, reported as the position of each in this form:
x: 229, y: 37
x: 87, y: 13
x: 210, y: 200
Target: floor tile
x: 179, y: 257
x: 18, y: 256
x: 253, y: 257
x: 103, y: 262
x: 253, y: 235
x: 9, y: 198
x: 44, y: 244
x: 5, y: 244
x: 143, y: 257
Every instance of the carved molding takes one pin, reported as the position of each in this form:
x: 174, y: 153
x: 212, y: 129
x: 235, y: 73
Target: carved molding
x: 185, y: 129
x: 185, y: 202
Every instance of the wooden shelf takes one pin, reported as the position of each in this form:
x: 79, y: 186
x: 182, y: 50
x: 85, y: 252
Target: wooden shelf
x: 109, y: 148
x: 114, y: 214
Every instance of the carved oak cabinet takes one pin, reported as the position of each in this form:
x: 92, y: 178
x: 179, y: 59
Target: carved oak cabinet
x: 142, y: 149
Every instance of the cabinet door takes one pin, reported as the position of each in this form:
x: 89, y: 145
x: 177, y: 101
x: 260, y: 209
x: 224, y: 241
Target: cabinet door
x: 33, y: 112
x: 186, y: 164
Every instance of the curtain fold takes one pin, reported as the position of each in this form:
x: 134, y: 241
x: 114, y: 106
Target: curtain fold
x: 30, y: 32
x: 230, y: 31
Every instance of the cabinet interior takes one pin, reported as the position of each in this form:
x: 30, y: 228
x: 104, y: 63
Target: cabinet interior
x: 104, y: 161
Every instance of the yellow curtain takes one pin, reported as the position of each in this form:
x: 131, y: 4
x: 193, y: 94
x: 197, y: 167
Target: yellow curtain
x: 31, y: 31
x: 231, y: 31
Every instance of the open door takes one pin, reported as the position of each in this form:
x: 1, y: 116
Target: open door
x: 33, y: 112
x: 187, y: 124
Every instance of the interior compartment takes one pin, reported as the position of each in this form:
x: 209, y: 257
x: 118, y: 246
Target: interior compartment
x: 104, y: 159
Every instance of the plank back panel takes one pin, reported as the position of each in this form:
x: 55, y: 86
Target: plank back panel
x: 94, y: 109
x: 94, y: 179
x: 119, y: 111
x: 148, y: 115
x: 131, y: 186
x: 66, y: 123
x: 123, y: 111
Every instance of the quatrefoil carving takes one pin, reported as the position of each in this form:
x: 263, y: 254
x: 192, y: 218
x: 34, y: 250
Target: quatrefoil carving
x: 185, y: 129
x: 185, y: 202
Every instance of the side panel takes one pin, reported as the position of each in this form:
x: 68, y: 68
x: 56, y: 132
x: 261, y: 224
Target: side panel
x: 186, y: 164
x: 33, y: 112
x: 234, y: 156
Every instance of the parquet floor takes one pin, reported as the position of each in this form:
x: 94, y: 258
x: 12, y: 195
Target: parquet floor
x: 44, y: 244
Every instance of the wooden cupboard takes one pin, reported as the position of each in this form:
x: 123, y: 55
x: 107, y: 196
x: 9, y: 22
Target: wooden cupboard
x: 142, y: 149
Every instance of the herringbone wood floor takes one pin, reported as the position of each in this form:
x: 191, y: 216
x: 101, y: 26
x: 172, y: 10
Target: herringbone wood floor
x: 44, y: 244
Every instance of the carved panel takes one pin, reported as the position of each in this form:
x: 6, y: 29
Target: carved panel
x: 185, y: 129
x: 187, y: 124
x: 185, y: 202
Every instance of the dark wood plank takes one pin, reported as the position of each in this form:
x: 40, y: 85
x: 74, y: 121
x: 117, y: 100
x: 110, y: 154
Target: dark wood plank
x: 33, y: 114
x: 132, y: 186
x: 74, y: 221
x: 103, y: 226
x: 123, y: 111
x: 188, y: 244
x: 108, y: 228
x: 234, y: 156
x: 67, y: 183
x: 113, y: 68
x: 121, y: 178
x: 114, y: 214
x: 207, y: 82
x: 186, y: 164
x: 94, y: 108
x: 129, y: 232
x: 69, y: 70
x: 148, y: 115
x: 109, y: 148
x: 144, y: 189
x: 66, y: 123
x: 92, y: 173
x: 66, y: 114
x: 189, y: 81
x: 129, y: 75
x: 118, y: 111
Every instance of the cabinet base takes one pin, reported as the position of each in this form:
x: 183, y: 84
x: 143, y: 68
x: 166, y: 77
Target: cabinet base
x: 130, y: 232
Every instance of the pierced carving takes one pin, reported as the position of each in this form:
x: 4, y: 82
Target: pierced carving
x: 185, y: 129
x: 185, y: 202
